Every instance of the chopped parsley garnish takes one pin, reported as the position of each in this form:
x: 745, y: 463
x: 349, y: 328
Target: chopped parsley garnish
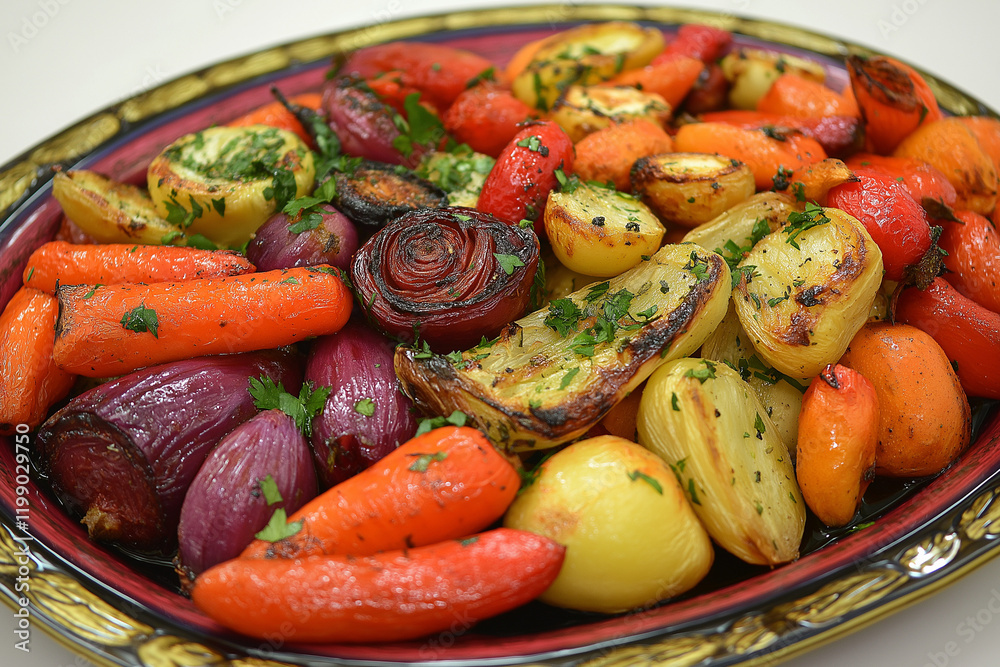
x: 424, y: 461
x: 488, y: 74
x: 140, y: 319
x: 534, y: 144
x: 302, y: 408
x: 278, y: 527
x: 508, y: 262
x: 698, y: 267
x: 702, y: 374
x: 673, y: 402
x: 456, y: 418
x: 365, y: 407
x: 639, y: 475
x: 419, y: 128
x: 568, y: 377
x: 800, y: 222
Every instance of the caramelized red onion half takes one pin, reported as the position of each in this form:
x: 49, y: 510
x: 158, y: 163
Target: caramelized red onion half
x: 448, y: 276
x: 276, y: 244
x: 226, y: 504
x: 366, y: 416
x: 122, y: 455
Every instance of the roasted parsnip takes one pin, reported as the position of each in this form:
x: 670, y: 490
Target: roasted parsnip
x: 224, y: 182
x: 806, y: 289
x: 752, y: 71
x: 585, y: 109
x: 689, y: 189
x: 587, y: 54
x: 599, y: 231
x: 553, y: 374
x: 111, y: 212
x: 709, y: 426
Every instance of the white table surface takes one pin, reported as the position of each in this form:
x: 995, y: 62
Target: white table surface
x: 63, y: 59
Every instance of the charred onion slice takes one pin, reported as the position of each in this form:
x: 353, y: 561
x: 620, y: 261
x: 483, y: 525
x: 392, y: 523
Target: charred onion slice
x: 556, y: 372
x: 448, y: 276
x: 376, y: 193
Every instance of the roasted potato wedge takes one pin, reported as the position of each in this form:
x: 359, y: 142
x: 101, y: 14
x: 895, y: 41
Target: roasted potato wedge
x: 586, y: 54
x: 709, y: 426
x: 599, y: 231
x: 752, y: 71
x: 730, y: 232
x: 585, y: 109
x: 553, y: 374
x: 690, y: 189
x: 624, y: 521
x: 780, y: 395
x: 561, y: 281
x: 111, y: 212
x: 224, y: 182
x: 806, y: 289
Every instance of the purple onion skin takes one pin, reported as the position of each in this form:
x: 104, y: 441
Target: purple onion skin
x: 123, y: 454
x: 364, y: 124
x: 333, y: 242
x: 224, y: 507
x: 356, y: 363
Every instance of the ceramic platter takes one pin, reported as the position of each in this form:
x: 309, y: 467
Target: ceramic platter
x: 117, y: 610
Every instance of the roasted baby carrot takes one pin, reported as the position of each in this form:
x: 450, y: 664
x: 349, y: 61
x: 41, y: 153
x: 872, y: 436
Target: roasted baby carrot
x: 609, y: 153
x: 30, y: 383
x: 893, y: 98
x: 61, y: 263
x: 114, y: 329
x: 444, y: 484
x: 838, y: 135
x: 400, y: 594
x: 672, y: 79
x: 764, y: 154
x: 813, y: 181
x: 793, y: 95
x: 277, y: 115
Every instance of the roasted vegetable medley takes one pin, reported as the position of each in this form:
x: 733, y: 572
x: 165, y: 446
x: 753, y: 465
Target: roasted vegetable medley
x: 444, y: 336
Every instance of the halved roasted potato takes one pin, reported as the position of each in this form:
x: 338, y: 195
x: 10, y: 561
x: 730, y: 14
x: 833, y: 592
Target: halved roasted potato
x: 585, y: 109
x: 739, y: 228
x: 460, y: 173
x: 689, y: 189
x: 780, y: 395
x: 752, y: 71
x: 224, y: 182
x: 586, y: 54
x: 561, y: 281
x: 805, y: 289
x: 111, y: 212
x: 600, y: 231
x: 709, y: 426
x: 553, y: 374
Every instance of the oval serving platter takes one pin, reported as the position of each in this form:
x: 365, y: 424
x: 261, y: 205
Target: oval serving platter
x: 118, y: 610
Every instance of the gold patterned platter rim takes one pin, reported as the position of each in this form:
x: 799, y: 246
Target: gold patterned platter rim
x: 117, y: 610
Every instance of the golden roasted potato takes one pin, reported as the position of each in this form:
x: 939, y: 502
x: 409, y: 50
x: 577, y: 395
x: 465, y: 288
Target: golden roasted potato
x: 689, y: 189
x: 561, y: 281
x: 747, y: 222
x: 553, y: 374
x: 586, y: 54
x: 806, y: 289
x: 111, y: 212
x: 585, y: 109
x: 624, y: 521
x: 224, y: 182
x: 780, y: 395
x: 709, y: 426
x: 752, y: 71
x: 461, y: 173
x: 599, y: 231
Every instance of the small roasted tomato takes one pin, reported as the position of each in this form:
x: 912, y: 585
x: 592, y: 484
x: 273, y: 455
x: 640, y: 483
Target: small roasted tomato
x: 525, y: 173
x: 439, y: 72
x: 486, y: 117
x: 926, y: 184
x: 973, y: 259
x: 896, y: 222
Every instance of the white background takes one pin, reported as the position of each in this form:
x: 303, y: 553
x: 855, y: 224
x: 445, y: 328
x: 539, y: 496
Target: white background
x: 61, y: 60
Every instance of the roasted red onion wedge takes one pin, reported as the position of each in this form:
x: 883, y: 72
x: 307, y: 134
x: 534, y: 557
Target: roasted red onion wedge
x: 123, y: 454
x: 365, y: 416
x: 328, y: 238
x: 448, y: 276
x: 264, y: 464
x: 365, y: 125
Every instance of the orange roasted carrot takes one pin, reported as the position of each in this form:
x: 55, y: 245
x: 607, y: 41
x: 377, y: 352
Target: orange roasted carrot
x: 444, y: 484
x: 764, y: 154
x: 276, y: 115
x: 523, y: 57
x: 987, y: 131
x: 893, y: 99
x: 793, y: 95
x: 30, y: 383
x: 400, y: 594
x: 609, y: 153
x: 838, y: 135
x: 672, y: 78
x: 61, y: 263
x: 813, y: 181
x: 115, y: 329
